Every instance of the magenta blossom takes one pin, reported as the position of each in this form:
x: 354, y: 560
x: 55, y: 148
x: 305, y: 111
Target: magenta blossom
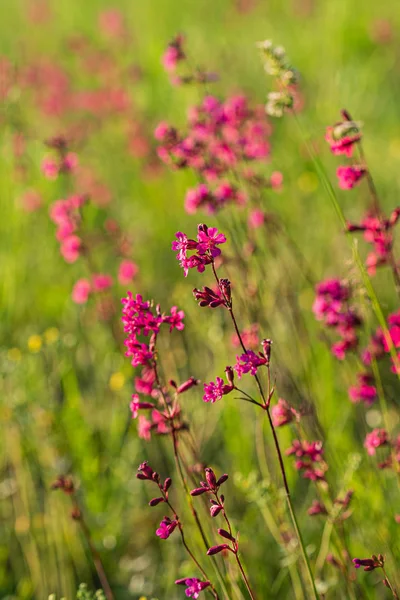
x: 350, y: 176
x: 136, y: 405
x: 205, y: 248
x: 249, y: 363
x: 81, y: 291
x: 376, y: 439
x: 209, y: 238
x: 282, y: 413
x: 175, y: 320
x: 364, y: 391
x: 194, y: 586
x: 214, y: 391
x: 167, y: 527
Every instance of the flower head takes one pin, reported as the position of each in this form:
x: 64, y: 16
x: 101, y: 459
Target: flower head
x: 194, y: 586
x: 166, y: 528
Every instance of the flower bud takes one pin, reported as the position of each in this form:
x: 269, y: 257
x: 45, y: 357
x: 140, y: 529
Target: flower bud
x: 222, y: 479
x: 215, y: 510
x: 167, y: 484
x: 266, y: 344
x: 198, y: 491
x: 187, y: 385
x: 225, y: 287
x: 225, y: 534
x: 230, y: 376
x: 210, y: 477
x: 155, y: 501
x: 216, y: 549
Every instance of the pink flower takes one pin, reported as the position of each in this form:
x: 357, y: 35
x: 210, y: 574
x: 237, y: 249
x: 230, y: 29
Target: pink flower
x: 175, y: 319
x: 214, y: 391
x: 194, y: 586
x: 173, y: 54
x: 343, y: 135
x: 375, y: 439
x: 31, y: 201
x: 282, y: 413
x: 364, y: 391
x: 276, y: 180
x: 70, y: 162
x: 101, y: 282
x: 209, y: 238
x: 249, y: 363
x: 144, y: 428
x: 349, y: 176
x: 81, y: 291
x: 70, y: 248
x: 136, y: 405
x: 167, y: 527
x: 256, y: 218
x: 49, y: 168
x: 127, y: 271
x: 111, y: 23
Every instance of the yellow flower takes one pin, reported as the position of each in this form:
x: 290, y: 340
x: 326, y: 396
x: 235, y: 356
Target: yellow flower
x: 117, y: 381
x: 51, y: 335
x: 34, y: 343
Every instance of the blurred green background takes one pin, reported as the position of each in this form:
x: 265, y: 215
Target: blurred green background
x: 65, y: 384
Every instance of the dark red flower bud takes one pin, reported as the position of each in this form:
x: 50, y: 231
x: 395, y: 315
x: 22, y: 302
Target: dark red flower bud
x: 216, y: 549
x: 187, y: 385
x: 145, y: 471
x: 225, y: 287
x: 222, y: 479
x: 210, y: 477
x: 207, y: 297
x: 167, y: 484
x: 225, y: 534
x: 155, y: 501
x: 215, y: 510
x: 266, y: 344
x: 230, y: 376
x: 199, y: 491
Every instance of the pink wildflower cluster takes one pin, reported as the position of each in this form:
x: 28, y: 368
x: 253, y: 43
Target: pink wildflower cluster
x: 61, y: 161
x: 282, y: 413
x: 377, y: 231
x: 175, y: 57
x: 66, y: 214
x: 342, y: 138
x: 205, y: 248
x: 215, y: 391
x: 142, y: 322
x: 223, y: 137
x: 309, y: 459
x: 193, y: 586
x: 249, y: 362
x: 379, y: 438
x: 332, y: 307
x: 139, y: 319
x: 379, y: 346
x: 173, y: 54
x: 250, y: 337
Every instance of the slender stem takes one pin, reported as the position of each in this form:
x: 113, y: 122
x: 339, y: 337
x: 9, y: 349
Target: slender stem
x: 392, y: 589
x: 244, y: 577
x: 95, y: 555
